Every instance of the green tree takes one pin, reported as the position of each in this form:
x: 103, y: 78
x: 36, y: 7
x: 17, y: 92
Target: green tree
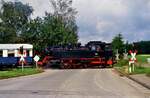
x: 143, y: 47
x: 33, y: 33
x: 14, y: 16
x: 54, y: 28
x: 117, y: 43
x: 128, y: 46
x: 64, y: 12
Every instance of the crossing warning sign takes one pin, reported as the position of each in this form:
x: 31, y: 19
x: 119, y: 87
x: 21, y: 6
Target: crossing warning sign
x: 132, y: 60
x: 133, y: 54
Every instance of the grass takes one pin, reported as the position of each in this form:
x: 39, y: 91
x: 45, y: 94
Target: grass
x: 141, y: 70
x: 138, y: 70
x: 148, y: 74
x: 18, y: 72
x: 122, y: 65
x: 142, y: 58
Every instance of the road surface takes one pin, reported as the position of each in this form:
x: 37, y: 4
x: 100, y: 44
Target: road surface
x: 77, y: 83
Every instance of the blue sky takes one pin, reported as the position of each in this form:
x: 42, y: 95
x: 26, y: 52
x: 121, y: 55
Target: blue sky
x: 103, y: 19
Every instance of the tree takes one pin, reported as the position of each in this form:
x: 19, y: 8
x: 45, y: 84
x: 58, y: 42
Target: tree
x: 128, y: 46
x: 118, y: 43
x: 64, y: 12
x: 14, y: 16
x: 54, y: 28
x: 143, y: 47
x: 33, y: 32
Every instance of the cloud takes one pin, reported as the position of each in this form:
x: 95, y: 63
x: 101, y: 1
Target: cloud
x: 40, y: 7
x: 103, y: 19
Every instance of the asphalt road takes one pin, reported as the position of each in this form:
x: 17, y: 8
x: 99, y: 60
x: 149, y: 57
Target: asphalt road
x: 77, y: 83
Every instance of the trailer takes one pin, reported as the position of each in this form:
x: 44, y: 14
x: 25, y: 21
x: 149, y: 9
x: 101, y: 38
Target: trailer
x: 10, y: 54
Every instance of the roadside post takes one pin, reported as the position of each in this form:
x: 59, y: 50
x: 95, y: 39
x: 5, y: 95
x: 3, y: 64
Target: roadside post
x: 36, y: 59
x: 117, y: 55
x: 132, y: 61
x: 22, y: 60
x: 125, y: 55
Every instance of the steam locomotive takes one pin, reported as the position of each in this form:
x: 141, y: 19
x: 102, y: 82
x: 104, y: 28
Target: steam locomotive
x: 93, y: 54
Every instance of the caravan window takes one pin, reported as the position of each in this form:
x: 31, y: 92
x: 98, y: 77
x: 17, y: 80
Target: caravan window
x: 1, y: 53
x: 11, y: 53
x: 27, y: 53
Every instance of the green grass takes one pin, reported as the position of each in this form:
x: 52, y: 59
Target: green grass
x: 141, y: 70
x: 121, y: 63
x: 148, y: 74
x: 142, y: 58
x: 18, y: 72
x: 138, y: 70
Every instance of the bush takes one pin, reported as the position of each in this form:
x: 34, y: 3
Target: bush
x: 121, y: 63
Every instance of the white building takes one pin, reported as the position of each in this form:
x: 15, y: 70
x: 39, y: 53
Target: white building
x: 7, y: 50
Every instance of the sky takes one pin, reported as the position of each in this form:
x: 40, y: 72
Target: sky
x: 101, y: 20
